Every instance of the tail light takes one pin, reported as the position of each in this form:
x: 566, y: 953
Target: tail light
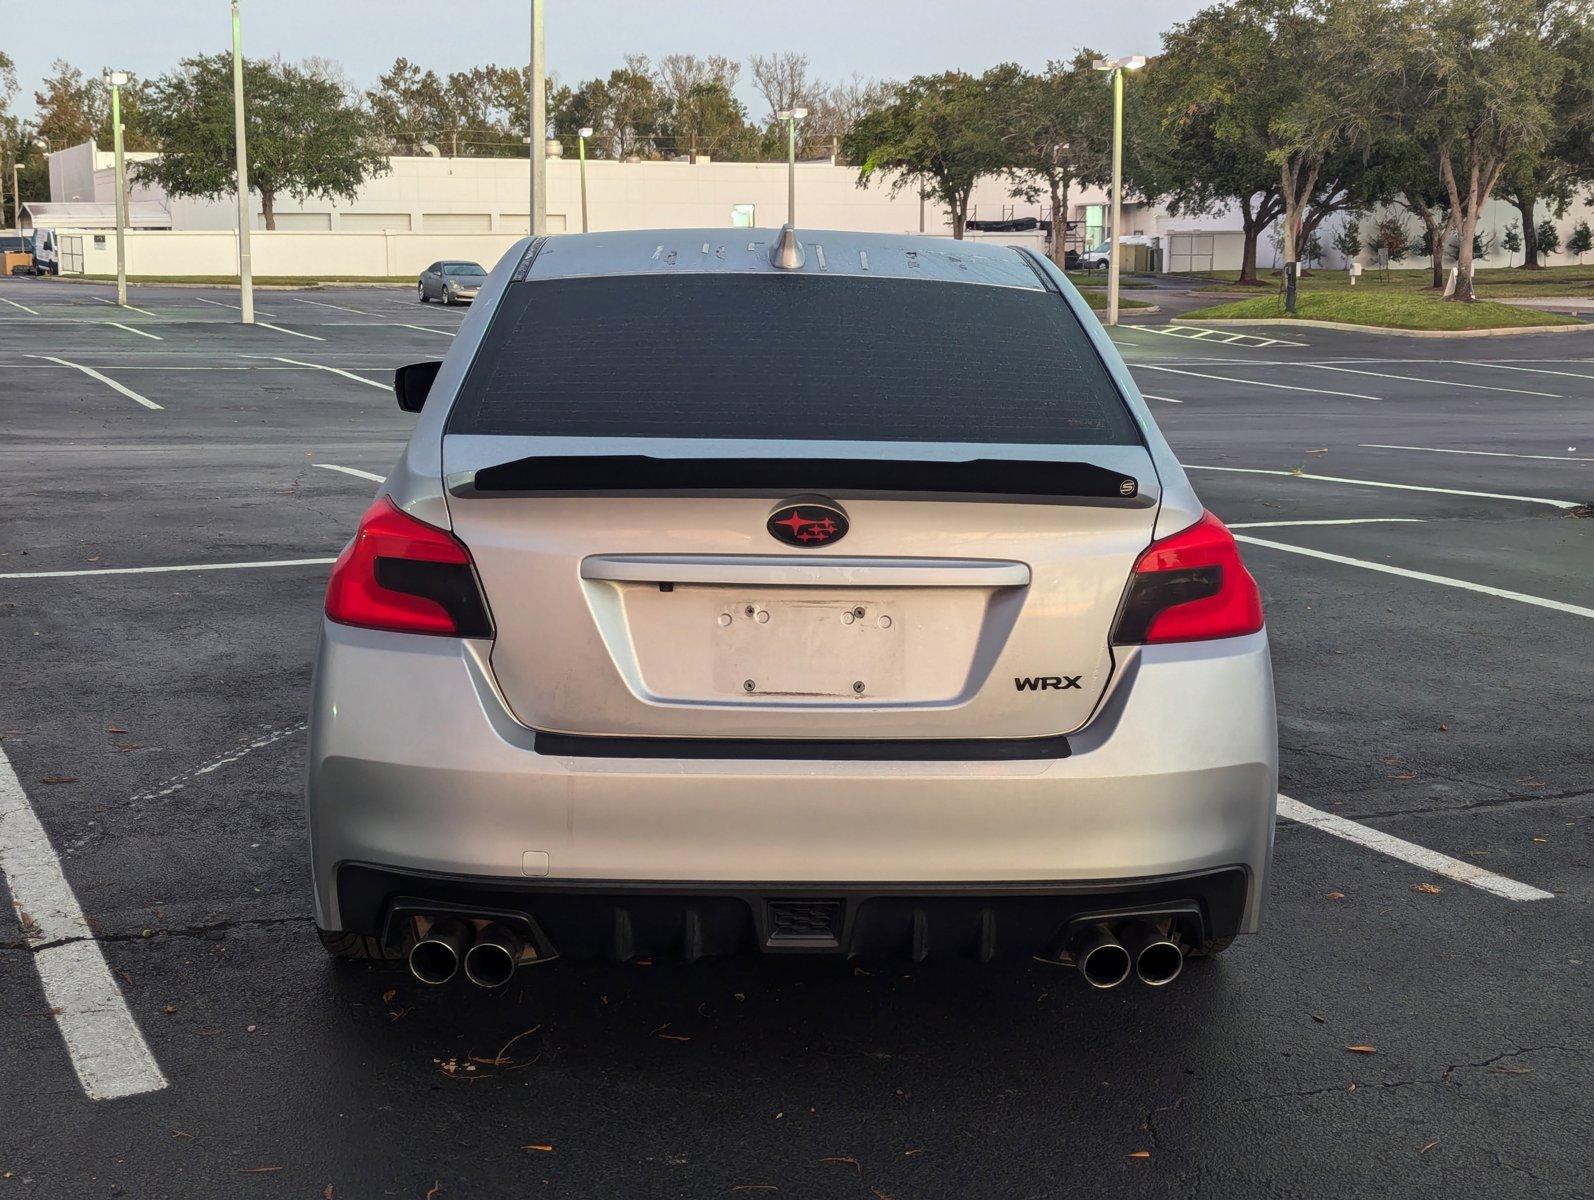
x: 404, y: 575
x: 1190, y: 587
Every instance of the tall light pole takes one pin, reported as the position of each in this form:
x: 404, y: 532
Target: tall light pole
x: 582, y: 135
x: 791, y: 116
x: 246, y: 269
x: 1117, y: 67
x: 537, y: 149
x: 116, y: 79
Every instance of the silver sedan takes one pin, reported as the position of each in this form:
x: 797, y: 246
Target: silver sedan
x: 451, y: 282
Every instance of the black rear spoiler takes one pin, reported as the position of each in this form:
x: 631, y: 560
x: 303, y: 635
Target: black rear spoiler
x: 643, y: 474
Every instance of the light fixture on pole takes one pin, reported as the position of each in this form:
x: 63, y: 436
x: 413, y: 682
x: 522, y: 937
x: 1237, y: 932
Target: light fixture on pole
x: 791, y: 116
x: 537, y: 97
x: 116, y: 80
x: 246, y: 270
x: 1117, y: 67
x: 582, y: 135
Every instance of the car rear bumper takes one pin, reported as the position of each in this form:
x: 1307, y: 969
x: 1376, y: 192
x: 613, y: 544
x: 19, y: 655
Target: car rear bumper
x: 419, y: 775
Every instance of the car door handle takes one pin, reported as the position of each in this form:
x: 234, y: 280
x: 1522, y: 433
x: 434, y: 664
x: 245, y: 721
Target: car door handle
x: 788, y: 571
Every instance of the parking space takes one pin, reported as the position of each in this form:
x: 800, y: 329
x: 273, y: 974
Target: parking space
x: 1413, y: 1020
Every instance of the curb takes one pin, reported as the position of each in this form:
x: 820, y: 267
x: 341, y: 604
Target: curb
x: 1510, y: 331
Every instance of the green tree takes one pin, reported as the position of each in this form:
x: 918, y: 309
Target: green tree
x: 1275, y: 80
x: 1548, y: 236
x: 1511, y: 242
x: 1348, y: 239
x: 940, y: 133
x: 1551, y: 175
x: 1055, y: 132
x: 1483, y: 79
x: 305, y: 137
x: 74, y: 108
x: 1581, y: 241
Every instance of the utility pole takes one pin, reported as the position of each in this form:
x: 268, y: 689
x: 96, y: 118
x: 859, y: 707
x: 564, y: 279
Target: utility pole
x: 116, y: 79
x: 1117, y: 66
x: 246, y: 269
x: 538, y: 131
x: 581, y: 139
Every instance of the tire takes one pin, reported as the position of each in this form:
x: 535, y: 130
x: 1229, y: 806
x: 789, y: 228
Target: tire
x: 355, y: 946
x: 420, y: 292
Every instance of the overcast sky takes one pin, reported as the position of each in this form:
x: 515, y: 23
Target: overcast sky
x: 889, y: 39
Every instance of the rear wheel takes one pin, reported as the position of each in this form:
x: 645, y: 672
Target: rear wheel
x: 355, y: 946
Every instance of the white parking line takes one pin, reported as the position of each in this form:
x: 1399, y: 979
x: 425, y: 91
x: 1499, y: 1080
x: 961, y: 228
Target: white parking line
x: 129, y: 307
x: 105, y: 379
x: 340, y: 307
x: 223, y: 304
x: 1531, y: 370
x: 229, y: 566
x: 336, y: 371
x: 355, y: 471
x: 291, y: 332
x: 141, y: 333
x: 427, y: 329
x: 1196, y: 333
x: 1409, y: 852
x: 1576, y: 610
x: 1338, y: 521
x: 1283, y: 387
x: 1164, y: 399
x: 107, y: 1050
x: 1449, y: 383
x: 1480, y: 453
x: 1377, y: 483
x: 23, y: 307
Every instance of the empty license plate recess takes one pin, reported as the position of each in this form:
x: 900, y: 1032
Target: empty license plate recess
x: 833, y: 646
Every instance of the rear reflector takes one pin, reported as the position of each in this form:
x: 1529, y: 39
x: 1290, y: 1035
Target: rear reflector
x: 404, y: 575
x: 1190, y: 587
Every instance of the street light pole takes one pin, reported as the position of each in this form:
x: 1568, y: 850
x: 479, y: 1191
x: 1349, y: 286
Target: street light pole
x: 246, y: 270
x: 1117, y: 67
x: 538, y: 131
x: 582, y: 135
x: 791, y: 116
x: 116, y: 79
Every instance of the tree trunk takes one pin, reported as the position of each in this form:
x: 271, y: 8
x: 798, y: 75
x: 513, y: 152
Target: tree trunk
x: 268, y: 208
x: 1525, y: 205
x: 1059, y: 223
x: 958, y: 210
x: 1248, y: 255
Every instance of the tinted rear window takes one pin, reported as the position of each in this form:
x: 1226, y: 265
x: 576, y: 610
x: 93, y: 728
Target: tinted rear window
x: 778, y: 356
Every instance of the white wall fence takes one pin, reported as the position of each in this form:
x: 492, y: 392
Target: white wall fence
x: 338, y: 254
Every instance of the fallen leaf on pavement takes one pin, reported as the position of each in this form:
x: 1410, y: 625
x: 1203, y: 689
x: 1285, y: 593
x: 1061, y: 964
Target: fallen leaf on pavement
x: 326, y: 1192
x: 1140, y: 1154
x: 258, y: 1170
x: 1362, y: 1049
x: 1429, y: 889
x: 1429, y: 1146
x: 851, y: 1162
x: 540, y: 1147
x: 1335, y: 896
x: 1317, y: 1018
x: 1513, y: 1070
x: 59, y: 779
x: 387, y: 996
x: 435, y: 1190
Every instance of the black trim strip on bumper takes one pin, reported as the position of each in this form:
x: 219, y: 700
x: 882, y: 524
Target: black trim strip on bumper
x: 798, y: 750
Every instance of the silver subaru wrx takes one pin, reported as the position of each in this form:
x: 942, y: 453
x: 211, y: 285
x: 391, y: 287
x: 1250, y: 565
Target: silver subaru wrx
x: 796, y: 593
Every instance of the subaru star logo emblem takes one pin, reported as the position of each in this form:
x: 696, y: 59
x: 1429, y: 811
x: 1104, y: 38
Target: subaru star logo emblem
x: 808, y: 523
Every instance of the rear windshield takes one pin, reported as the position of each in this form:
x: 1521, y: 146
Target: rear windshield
x: 807, y: 357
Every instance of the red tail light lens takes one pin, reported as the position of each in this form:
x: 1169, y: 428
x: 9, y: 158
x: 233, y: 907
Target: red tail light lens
x: 404, y: 575
x: 1190, y: 587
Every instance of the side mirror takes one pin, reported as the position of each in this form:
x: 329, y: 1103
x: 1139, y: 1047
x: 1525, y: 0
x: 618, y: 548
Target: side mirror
x: 411, y: 383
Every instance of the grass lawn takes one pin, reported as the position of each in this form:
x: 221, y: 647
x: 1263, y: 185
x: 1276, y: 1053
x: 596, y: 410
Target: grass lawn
x: 262, y: 280
x: 1098, y: 301
x: 1390, y: 308
x: 1491, y: 283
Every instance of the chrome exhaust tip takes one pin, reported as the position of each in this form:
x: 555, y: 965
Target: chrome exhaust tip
x: 1102, y: 958
x: 435, y: 958
x: 1158, y: 958
x: 493, y: 957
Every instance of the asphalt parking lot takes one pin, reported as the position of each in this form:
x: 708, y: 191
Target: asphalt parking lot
x: 1414, y: 1020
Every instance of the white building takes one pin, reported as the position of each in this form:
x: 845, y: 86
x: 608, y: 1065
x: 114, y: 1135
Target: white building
x: 427, y: 208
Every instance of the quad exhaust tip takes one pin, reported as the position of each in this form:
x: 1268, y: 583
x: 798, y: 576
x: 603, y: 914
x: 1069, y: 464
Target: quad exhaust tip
x: 493, y: 957
x: 1106, y: 957
x: 435, y: 958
